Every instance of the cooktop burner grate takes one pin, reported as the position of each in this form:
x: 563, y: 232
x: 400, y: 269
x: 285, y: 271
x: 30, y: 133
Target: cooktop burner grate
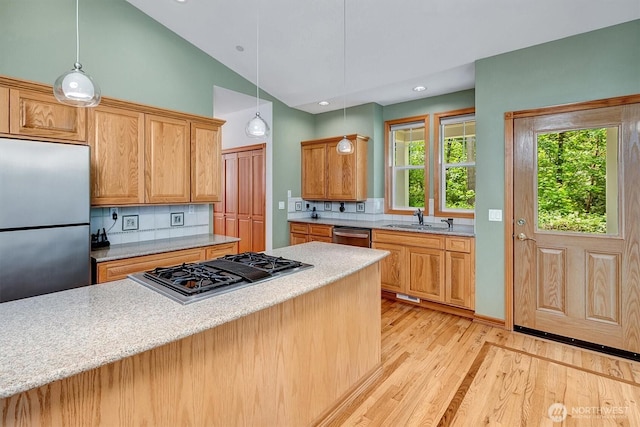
x: 264, y: 262
x: 191, y: 279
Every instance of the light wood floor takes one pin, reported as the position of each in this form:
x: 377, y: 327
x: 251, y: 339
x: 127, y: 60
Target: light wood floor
x: 440, y: 369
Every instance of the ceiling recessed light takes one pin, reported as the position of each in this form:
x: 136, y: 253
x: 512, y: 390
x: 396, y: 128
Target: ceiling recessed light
x: 323, y: 103
x: 181, y: 1
x: 419, y: 88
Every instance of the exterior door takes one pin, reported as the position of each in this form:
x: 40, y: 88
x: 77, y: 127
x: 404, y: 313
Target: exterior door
x: 576, y: 227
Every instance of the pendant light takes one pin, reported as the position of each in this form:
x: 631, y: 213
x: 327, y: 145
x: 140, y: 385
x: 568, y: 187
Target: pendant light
x: 345, y: 146
x: 257, y: 127
x: 75, y: 87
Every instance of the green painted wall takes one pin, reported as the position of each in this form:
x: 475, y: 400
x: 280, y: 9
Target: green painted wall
x: 132, y: 57
x: 595, y: 65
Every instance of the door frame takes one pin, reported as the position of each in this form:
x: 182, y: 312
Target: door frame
x: 509, y: 118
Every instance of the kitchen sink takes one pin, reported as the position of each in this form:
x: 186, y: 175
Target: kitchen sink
x: 419, y: 226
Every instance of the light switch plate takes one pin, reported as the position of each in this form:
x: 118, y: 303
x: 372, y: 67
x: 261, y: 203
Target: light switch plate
x: 495, y: 215
x: 280, y: 205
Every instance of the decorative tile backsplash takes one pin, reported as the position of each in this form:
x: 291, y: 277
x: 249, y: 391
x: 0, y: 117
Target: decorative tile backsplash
x: 370, y: 210
x: 151, y: 222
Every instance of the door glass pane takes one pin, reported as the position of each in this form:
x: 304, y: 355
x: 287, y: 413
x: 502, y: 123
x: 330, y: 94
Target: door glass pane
x: 460, y: 182
x: 578, y: 181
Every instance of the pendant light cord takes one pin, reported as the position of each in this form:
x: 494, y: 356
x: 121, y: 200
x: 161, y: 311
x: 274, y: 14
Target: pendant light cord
x: 258, y: 58
x: 77, y: 34
x: 344, y: 66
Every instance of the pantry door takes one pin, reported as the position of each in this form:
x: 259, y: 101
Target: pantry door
x: 576, y: 206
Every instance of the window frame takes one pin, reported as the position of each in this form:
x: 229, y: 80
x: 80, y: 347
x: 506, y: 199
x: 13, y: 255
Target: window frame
x: 438, y: 166
x: 389, y: 161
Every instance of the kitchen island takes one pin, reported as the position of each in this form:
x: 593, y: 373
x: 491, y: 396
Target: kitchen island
x: 284, y: 352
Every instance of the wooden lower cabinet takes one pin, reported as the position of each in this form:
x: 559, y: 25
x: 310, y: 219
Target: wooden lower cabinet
x: 460, y: 280
x: 119, y: 269
x: 431, y: 267
x: 426, y: 273
x: 392, y: 266
x: 221, y: 250
x: 302, y: 233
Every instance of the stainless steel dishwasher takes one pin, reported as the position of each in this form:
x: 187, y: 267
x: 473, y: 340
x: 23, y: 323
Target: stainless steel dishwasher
x: 352, y: 236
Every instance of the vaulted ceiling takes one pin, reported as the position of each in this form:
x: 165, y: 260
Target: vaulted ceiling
x: 391, y: 46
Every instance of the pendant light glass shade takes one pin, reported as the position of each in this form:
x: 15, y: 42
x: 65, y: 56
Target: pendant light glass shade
x: 257, y: 127
x: 345, y: 146
x: 75, y: 87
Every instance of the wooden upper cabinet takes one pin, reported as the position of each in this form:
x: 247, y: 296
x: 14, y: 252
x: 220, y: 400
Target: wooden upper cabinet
x: 116, y: 137
x: 206, y: 162
x: 4, y: 109
x: 314, y: 169
x: 327, y: 175
x: 40, y: 115
x: 167, y: 160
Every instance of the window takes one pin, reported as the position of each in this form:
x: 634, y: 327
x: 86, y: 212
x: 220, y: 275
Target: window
x: 455, y: 163
x: 406, y: 150
x: 578, y: 181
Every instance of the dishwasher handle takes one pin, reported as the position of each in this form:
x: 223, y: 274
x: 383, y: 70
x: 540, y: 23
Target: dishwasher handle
x: 350, y: 234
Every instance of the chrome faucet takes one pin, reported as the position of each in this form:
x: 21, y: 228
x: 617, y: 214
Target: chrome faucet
x: 420, y: 216
x: 449, y: 221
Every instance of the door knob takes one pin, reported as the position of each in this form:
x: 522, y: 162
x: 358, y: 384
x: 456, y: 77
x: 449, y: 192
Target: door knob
x: 522, y: 237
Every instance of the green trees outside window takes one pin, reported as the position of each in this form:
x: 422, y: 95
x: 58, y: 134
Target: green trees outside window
x: 460, y: 173
x: 572, y: 179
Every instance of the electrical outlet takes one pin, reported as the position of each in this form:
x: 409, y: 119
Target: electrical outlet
x: 113, y: 213
x: 192, y: 209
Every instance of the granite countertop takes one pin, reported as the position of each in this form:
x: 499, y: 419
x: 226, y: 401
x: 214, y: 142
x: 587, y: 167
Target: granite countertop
x: 456, y: 230
x: 128, y: 250
x: 54, y: 336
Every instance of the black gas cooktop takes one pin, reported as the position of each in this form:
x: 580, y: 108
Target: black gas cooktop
x: 191, y: 282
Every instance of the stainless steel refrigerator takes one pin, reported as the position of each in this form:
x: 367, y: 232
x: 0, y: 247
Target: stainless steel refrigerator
x: 44, y: 218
